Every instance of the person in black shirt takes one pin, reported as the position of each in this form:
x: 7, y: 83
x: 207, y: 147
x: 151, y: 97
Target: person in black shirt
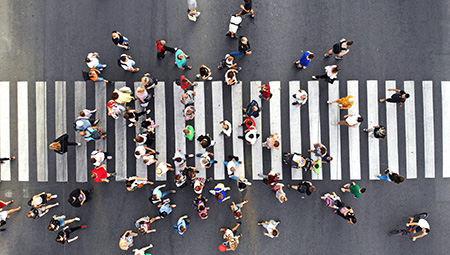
x: 340, y: 49
x: 205, y: 141
x: 60, y: 144
x: 78, y: 197
x: 246, y: 8
x: 64, y: 235
x: 243, y: 48
x: 304, y: 187
x: 399, y: 97
x: 377, y: 131
x: 162, y: 48
x: 120, y: 40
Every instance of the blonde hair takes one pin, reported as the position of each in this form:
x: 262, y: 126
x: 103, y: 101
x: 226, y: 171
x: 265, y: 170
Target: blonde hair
x: 55, y: 146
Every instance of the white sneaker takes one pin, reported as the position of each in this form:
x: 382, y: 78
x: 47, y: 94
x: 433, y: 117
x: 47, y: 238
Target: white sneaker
x: 198, y: 76
x: 130, y: 125
x: 78, y: 144
x: 329, y: 102
x: 209, y: 78
x: 77, y: 219
x: 198, y: 14
x: 93, y: 111
x: 54, y: 196
x: 109, y: 157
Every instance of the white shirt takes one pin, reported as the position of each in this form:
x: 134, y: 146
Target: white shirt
x: 231, y: 164
x: 229, y: 63
x: 3, y: 215
x: 249, y: 139
x: 227, y: 132
x: 99, y: 157
x: 141, y: 150
x: 128, y: 64
x: 298, y: 96
x: 163, y: 168
x: 94, y: 60
x: 151, y: 159
x: 423, y: 224
x: 329, y: 73
x: 353, y: 120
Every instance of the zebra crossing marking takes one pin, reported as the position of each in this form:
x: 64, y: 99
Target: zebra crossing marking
x: 257, y: 149
x: 5, y: 141
x: 372, y: 120
x: 391, y: 127
x: 41, y: 132
x: 101, y: 114
x: 120, y: 142
x: 445, y: 90
x: 410, y: 132
x: 200, y: 127
x: 23, y: 161
x: 179, y: 122
x: 219, y: 147
x: 428, y: 132
x: 275, y: 125
x: 60, y: 129
x: 160, y: 119
x: 334, y: 145
x: 141, y: 167
x: 353, y: 135
x: 80, y: 151
x: 238, y: 144
x: 314, y: 120
x: 295, y: 127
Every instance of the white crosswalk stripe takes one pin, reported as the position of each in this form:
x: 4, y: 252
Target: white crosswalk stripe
x: 141, y: 167
x: 163, y: 111
x: 199, y: 126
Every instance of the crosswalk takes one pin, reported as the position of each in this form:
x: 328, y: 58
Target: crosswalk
x: 170, y: 111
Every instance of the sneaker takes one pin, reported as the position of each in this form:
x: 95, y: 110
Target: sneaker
x: 148, y: 111
x: 329, y: 102
x: 386, y: 171
x: 209, y: 78
x: 197, y: 14
x: 338, y: 58
x: 104, y: 66
x: 188, y: 57
x: 219, y: 67
x: 151, y: 246
x: 334, y: 123
x: 342, y: 189
x: 84, y: 226
x: 314, y: 77
x: 128, y: 48
x: 96, y: 121
x: 326, y: 55
x: 239, y: 68
x: 109, y: 157
x: 157, y: 152
x: 94, y: 111
x: 191, y: 155
x: 77, y: 219
x: 198, y: 76
x: 131, y: 125
x: 364, y: 130
x: 209, y: 179
x: 253, y: 16
x: 175, y: 48
x: 78, y: 144
x: 114, y: 174
x: 189, y: 67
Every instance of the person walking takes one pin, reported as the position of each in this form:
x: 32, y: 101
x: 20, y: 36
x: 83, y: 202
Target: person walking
x: 231, y: 237
x: 119, y: 40
x: 277, y: 189
x: 304, y: 60
x: 205, y: 159
x: 163, y: 48
x: 122, y: 96
x: 158, y: 195
x: 271, y: 178
x: 94, y: 76
x: 93, y: 134
x: 227, y: 61
x: 41, y: 199
x: 319, y: 150
x: 354, y: 189
x: 272, y: 142
x: 86, y: 113
x: 185, y: 83
x: 205, y: 141
x: 231, y: 77
x: 330, y: 75
x: 133, y: 115
x: 127, y: 63
x: 192, y: 10
x: 4, y: 215
x: 179, y: 159
x: 377, y: 131
x: 252, y: 109
x: 227, y: 128
x: 142, y: 151
x: 143, y: 224
x: 162, y: 168
x: 133, y: 183
x: 232, y: 164
x: 98, y: 156
x: 189, y: 132
x: 199, y: 204
x: 60, y: 145
x: 300, y: 97
x: 181, y: 60
x: 398, y: 97
x: 93, y: 62
x: 181, y: 225
x: 270, y: 228
x: 35, y: 213
x: 204, y: 73
x: 250, y: 136
x: 143, y: 96
x: 243, y: 48
x: 78, y: 197
x: 189, y: 113
x: 126, y: 240
x: 99, y: 174
x: 2, y: 160
x: 241, y: 182
x: 148, y: 81
x: 219, y: 192
x: 188, y: 98
x: 390, y: 176
x: 346, y: 212
x: 59, y: 221
x: 340, y: 49
x: 64, y: 235
x: 246, y: 9
x: 351, y: 120
x: 345, y: 103
x: 304, y: 187
x: 236, y: 209
x: 332, y: 200
x: 142, y: 250
x: 264, y: 93
x: 148, y: 125
x: 165, y: 209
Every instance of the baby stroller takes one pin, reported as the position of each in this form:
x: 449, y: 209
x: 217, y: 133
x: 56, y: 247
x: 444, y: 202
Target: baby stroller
x: 235, y: 24
x: 295, y: 160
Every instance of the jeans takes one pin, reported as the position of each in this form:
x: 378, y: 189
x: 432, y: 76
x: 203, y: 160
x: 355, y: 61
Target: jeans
x: 234, y: 177
x: 100, y: 79
x: 125, y: 39
x: 238, y: 53
x: 100, y: 66
x: 165, y: 193
x: 261, y: 96
x: 384, y: 177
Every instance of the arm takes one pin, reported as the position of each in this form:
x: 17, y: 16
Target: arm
x: 419, y: 236
x: 161, y: 186
x: 396, y: 90
x: 183, y: 217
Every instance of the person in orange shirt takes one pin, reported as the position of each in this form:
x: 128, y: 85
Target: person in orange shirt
x: 93, y: 75
x: 344, y: 102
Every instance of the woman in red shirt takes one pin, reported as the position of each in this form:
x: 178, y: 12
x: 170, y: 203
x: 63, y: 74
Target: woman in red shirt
x: 99, y: 174
x: 265, y: 92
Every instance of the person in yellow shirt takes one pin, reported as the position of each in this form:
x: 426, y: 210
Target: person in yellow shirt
x: 345, y: 102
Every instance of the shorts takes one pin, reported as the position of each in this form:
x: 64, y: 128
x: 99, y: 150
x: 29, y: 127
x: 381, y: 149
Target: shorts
x: 62, y: 223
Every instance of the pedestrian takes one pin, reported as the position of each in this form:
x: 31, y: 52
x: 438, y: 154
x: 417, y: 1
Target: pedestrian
x: 233, y: 26
x: 236, y: 209
x: 332, y: 200
x: 41, y: 199
x: 391, y: 177
x: 78, y: 197
x: 3, y: 203
x: 192, y: 12
x: 162, y: 168
x: 189, y: 132
x: 59, y: 145
x: 346, y: 212
x: 271, y: 178
x: 149, y: 159
x: 204, y: 73
x: 35, y: 213
x: 2, y: 160
x: 185, y: 83
x: 148, y: 81
x: 126, y: 240
x: 86, y: 113
x: 242, y: 183
x: 294, y: 160
x: 165, y: 209
x: 188, y: 98
x: 114, y: 109
x: 142, y: 250
x: 158, y: 195
x: 300, y: 97
x: 304, y: 60
x: 197, y: 182
x: 351, y: 120
x: 145, y: 138
x: 264, y: 93
x: 64, y: 235
x: 330, y: 75
x: 243, y: 48
x: 93, y: 134
x: 200, y: 205
x: 227, y: 128
x: 272, y: 142
x: 148, y: 125
x: 127, y: 63
x: 231, y: 77
x: 270, y: 228
x: 313, y: 166
x: 93, y: 62
x: 94, y: 76
x: 142, y: 151
x: 398, y: 97
x: 4, y: 215
x: 345, y: 103
x: 252, y: 109
x: 205, y: 141
x: 377, y: 131
x: 99, y: 174
x: 122, y: 96
x: 189, y: 113
x: 181, y: 60
x: 143, y: 224
x: 219, y: 192
x: 143, y: 96
x: 82, y: 123
x: 59, y: 221
x: 120, y: 40
x: 249, y: 123
x: 98, y: 156
x: 246, y: 8
x: 277, y: 189
x: 340, y: 49
x: 227, y: 61
x: 304, y: 187
x: 181, y: 225
x: 232, y: 164
x: 133, y: 115
x: 133, y: 183
x: 163, y: 48
x: 205, y: 159
x: 231, y: 237
x: 354, y: 189
x: 319, y: 150
x: 180, y: 179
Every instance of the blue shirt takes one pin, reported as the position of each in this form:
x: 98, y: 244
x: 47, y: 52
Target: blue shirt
x: 165, y: 208
x: 90, y: 134
x: 304, y: 61
x: 86, y: 124
x: 249, y: 110
x: 180, y: 63
x: 176, y: 226
x: 157, y: 192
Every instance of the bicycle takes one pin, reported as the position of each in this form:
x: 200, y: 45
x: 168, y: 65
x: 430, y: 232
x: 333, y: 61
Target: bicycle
x: 408, y: 230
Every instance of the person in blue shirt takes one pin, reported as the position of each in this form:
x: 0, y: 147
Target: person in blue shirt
x: 252, y: 109
x: 165, y: 209
x: 93, y: 133
x: 304, y: 60
x: 181, y: 225
x: 181, y: 59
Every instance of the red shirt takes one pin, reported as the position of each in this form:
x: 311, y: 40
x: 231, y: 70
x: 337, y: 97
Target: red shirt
x: 185, y: 85
x: 249, y: 119
x: 101, y: 174
x: 266, y: 94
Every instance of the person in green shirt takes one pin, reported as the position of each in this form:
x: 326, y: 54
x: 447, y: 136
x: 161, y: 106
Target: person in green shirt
x: 354, y: 189
x: 189, y: 132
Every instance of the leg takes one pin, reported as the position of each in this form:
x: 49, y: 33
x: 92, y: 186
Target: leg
x: 13, y: 210
x: 383, y: 177
x: 165, y: 193
x: 71, y: 143
x: 328, y: 53
x: 234, y: 54
x: 235, y: 227
x: 294, y: 187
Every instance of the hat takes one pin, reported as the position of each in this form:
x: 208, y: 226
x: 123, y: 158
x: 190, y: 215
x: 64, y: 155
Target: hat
x: 351, y: 100
x: 79, y: 123
x: 158, y: 171
x: 145, y: 80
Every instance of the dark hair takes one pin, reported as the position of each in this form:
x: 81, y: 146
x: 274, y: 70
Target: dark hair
x: 275, y: 232
x: 276, y: 143
x: 137, y: 153
x: 182, y: 228
x: 114, y: 95
x: 336, y: 69
x: 352, y: 219
x: 184, y: 80
x: 2, y: 223
x: 311, y: 55
x: 406, y: 95
x: 139, y: 139
x: 29, y: 202
x: 219, y: 196
x: 362, y: 190
x: 398, y: 179
x: 427, y: 230
x: 92, y: 160
x: 51, y: 227
x: 329, y: 158
x: 128, y: 183
x: 141, y: 231
x: 312, y: 189
x: 153, y: 197
x: 127, y: 115
x: 87, y: 60
x: 204, y: 142
x: 237, y: 214
x: 360, y: 119
x: 249, y: 123
x: 94, y: 175
x: 163, y: 214
x: 349, y: 42
x: 323, y: 150
x: 316, y: 165
x: 203, y: 215
x: 123, y: 58
x: 177, y: 177
x: 201, y: 207
x: 230, y: 75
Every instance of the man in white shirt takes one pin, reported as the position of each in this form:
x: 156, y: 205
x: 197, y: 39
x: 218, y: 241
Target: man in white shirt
x: 300, y: 97
x: 330, y: 74
x: 93, y: 62
x: 126, y: 62
x: 351, y: 120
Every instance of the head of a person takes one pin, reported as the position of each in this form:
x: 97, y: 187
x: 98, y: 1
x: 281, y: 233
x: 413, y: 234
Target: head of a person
x: 123, y: 244
x: 186, y: 131
x: 203, y: 215
x: 155, y: 197
x: 55, y: 146
x: 360, y: 119
x: 184, y: 80
x: 399, y: 179
x: 275, y: 232
x: 123, y: 58
x: 329, y: 158
x: 82, y: 133
x: 114, y: 96
x: 52, y: 227
x: 139, y: 139
x: 146, y: 160
x: 128, y: 183
x: 225, y: 126
x: 141, y: 231
x: 323, y: 150
x: 405, y: 95
x: 189, y: 112
x: 180, y: 56
x: 159, y: 171
x: 230, y: 58
x: 244, y: 39
x: 114, y: 35
x: 276, y: 144
x: 219, y: 196
x: 204, y: 143
x: 163, y: 214
x: 362, y: 190
x: 233, y: 169
x: 184, y: 96
x: 316, y: 166
x: 310, y: 56
x: 127, y: 115
x: 335, y: 69
x: 204, y: 161
x: 30, y: 215
x: 177, y: 177
x: 254, y: 108
x: 237, y: 215
x: 177, y: 159
x: 303, y: 96
x: 283, y: 198
x: 198, y: 189
x: 351, y: 100
x: 312, y: 189
x: 349, y: 42
x: 59, y: 239
x: 352, y: 219
x: 230, y: 75
x: 137, y: 153
x: 140, y: 90
x: 87, y: 60
x: 182, y: 228
x: 94, y: 175
x: 162, y: 42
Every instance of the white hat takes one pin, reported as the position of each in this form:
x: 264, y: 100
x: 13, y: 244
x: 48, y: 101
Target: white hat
x: 79, y: 123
